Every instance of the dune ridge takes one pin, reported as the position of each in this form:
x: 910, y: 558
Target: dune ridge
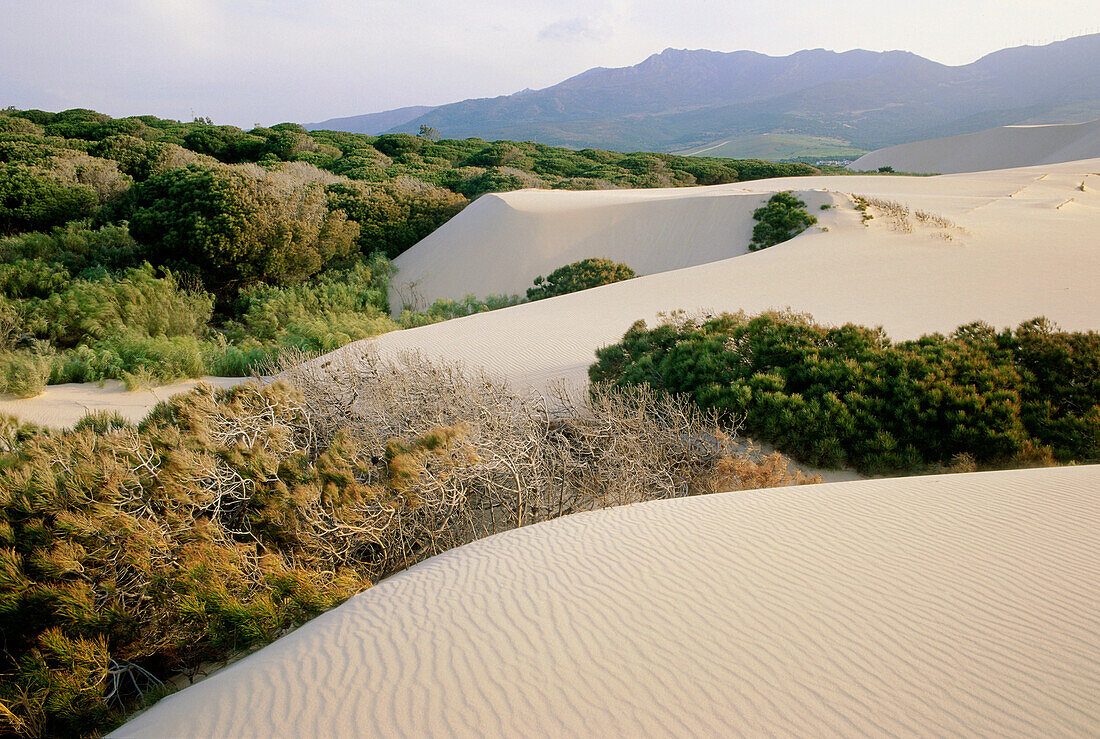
x: 1008, y: 254
x: 501, y: 242
x: 953, y: 604
x: 994, y: 148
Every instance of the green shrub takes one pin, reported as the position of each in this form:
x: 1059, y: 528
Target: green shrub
x: 134, y: 302
x: 336, y: 308
x: 74, y: 247
x: 102, y: 422
x: 136, y: 359
x: 580, y: 275
x: 833, y: 396
x: 394, y: 216
x: 25, y: 373
x: 237, y: 360
x: 237, y: 227
x: 34, y: 201
x: 781, y: 219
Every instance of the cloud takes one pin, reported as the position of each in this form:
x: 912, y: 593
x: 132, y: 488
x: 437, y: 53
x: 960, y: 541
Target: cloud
x: 574, y: 29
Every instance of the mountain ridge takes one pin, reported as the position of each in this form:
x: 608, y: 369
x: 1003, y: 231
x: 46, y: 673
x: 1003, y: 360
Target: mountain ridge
x: 680, y: 98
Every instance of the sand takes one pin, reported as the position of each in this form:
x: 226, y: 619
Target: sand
x: 1024, y: 243
x: 994, y: 148
x: 60, y: 406
x: 947, y: 605
x: 502, y: 242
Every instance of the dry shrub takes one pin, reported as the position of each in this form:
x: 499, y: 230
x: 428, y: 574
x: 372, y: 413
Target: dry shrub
x: 963, y: 462
x: 101, y: 175
x: 532, y: 458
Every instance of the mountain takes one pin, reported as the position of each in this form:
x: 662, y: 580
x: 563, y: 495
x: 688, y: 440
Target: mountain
x: 680, y: 99
x: 372, y: 123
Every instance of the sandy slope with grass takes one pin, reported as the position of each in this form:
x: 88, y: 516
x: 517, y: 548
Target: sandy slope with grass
x: 994, y: 148
x: 947, y: 605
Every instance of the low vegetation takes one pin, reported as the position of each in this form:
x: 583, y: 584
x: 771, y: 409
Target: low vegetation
x: 850, y: 396
x: 782, y: 218
x: 129, y: 554
x: 582, y: 275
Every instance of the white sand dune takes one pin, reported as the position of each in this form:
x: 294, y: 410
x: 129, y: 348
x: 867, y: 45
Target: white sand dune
x: 1025, y: 242
x: 502, y: 242
x: 994, y: 148
x: 60, y: 406
x: 948, y: 605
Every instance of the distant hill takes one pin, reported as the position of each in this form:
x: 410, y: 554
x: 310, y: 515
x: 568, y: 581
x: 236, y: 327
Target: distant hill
x: 372, y: 123
x: 678, y: 100
x: 996, y: 148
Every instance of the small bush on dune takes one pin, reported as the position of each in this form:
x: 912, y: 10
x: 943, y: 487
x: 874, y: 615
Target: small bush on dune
x: 782, y: 218
x: 102, y: 422
x: 581, y: 275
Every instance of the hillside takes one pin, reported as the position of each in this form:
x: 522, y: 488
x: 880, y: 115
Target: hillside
x: 680, y: 99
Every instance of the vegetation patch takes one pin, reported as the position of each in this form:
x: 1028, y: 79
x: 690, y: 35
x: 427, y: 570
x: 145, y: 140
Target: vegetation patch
x: 782, y: 218
x: 850, y: 396
x: 581, y: 275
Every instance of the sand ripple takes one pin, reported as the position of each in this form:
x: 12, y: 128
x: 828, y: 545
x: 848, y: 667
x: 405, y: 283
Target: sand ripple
x: 963, y: 604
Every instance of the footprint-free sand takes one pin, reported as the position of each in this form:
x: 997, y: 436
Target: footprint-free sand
x: 949, y: 605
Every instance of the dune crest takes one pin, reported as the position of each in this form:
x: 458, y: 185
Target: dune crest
x: 501, y: 242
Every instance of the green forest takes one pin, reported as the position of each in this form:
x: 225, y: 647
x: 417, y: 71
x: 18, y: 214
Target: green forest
x: 149, y: 250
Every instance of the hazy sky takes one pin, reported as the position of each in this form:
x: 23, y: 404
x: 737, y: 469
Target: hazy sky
x: 266, y: 61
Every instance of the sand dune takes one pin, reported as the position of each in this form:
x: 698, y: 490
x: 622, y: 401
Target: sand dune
x: 1024, y: 242
x: 948, y: 605
x: 995, y: 148
x: 501, y: 242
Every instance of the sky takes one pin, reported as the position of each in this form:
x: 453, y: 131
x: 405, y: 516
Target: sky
x: 244, y: 62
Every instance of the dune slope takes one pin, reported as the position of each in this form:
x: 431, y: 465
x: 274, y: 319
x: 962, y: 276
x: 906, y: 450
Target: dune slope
x: 994, y: 148
x: 1018, y: 244
x: 501, y: 242
x: 956, y: 604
